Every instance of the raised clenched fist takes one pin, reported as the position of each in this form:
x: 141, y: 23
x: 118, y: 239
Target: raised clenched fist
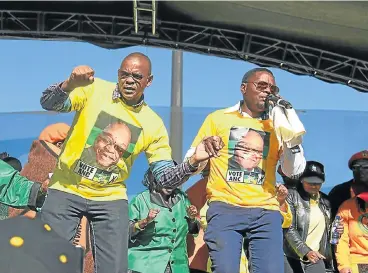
x: 152, y: 215
x: 82, y: 75
x: 282, y: 193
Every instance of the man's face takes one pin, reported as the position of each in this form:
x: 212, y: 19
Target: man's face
x: 133, y: 77
x: 256, y: 90
x: 311, y: 188
x: 111, y: 144
x: 249, y: 150
x: 360, y: 171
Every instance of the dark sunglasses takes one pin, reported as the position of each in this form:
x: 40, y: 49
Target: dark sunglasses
x: 261, y: 85
x: 359, y: 167
x: 124, y: 75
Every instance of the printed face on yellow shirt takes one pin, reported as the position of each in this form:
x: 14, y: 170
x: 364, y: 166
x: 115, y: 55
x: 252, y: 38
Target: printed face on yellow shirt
x: 249, y: 150
x: 111, y: 144
x: 363, y: 223
x: 365, y: 220
x: 246, y: 147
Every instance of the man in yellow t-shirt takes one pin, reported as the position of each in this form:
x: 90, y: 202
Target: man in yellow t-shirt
x: 241, y: 187
x: 112, y: 126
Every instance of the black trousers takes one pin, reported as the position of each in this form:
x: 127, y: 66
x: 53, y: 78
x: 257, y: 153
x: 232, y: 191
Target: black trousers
x: 109, y: 224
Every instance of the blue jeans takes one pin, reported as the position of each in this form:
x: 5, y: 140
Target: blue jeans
x: 227, y: 226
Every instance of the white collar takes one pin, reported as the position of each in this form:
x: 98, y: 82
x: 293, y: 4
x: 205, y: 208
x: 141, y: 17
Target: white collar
x: 234, y: 108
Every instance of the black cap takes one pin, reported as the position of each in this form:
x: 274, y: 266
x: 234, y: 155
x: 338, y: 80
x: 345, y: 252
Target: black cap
x: 29, y: 245
x: 314, y: 173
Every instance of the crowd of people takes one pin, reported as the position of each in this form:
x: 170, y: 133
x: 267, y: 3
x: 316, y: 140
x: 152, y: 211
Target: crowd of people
x: 236, y: 218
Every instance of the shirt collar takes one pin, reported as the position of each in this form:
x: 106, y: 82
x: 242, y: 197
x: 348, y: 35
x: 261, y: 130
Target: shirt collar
x: 117, y: 95
x: 237, y: 108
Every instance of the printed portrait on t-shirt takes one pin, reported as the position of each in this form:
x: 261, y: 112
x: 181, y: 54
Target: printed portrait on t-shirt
x: 110, y: 141
x: 248, y: 149
x: 363, y: 222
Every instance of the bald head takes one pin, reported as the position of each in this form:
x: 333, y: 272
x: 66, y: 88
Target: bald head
x: 143, y: 59
x: 134, y: 75
x: 252, y: 137
x: 249, y: 150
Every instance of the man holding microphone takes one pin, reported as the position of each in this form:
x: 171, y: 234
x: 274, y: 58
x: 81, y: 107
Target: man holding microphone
x: 243, y: 201
x: 112, y: 126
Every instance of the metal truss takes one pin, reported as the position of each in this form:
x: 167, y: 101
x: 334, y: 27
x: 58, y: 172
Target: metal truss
x: 116, y: 32
x: 144, y: 12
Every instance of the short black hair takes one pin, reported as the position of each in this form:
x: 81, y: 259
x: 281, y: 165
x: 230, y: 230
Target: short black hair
x: 250, y: 73
x: 14, y: 162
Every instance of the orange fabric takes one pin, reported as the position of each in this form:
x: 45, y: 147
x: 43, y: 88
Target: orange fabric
x: 54, y: 133
x: 40, y: 163
x: 197, y: 248
x: 357, y: 156
x: 352, y: 248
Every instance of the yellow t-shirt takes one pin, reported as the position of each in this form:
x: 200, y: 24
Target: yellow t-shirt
x: 317, y: 226
x: 104, y: 140
x: 244, y: 173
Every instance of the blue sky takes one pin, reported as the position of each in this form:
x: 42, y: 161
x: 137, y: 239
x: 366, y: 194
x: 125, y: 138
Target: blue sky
x: 28, y: 67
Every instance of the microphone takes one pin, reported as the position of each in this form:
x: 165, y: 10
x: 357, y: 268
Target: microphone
x: 278, y: 101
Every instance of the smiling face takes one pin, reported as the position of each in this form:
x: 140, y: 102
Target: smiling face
x: 134, y: 76
x: 111, y: 144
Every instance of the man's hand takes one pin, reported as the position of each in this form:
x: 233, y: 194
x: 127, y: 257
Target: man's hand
x: 82, y: 75
x: 209, y: 147
x: 152, y: 215
x: 281, y: 193
x: 346, y: 270
x: 149, y: 219
x: 192, y: 212
x: 315, y: 256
